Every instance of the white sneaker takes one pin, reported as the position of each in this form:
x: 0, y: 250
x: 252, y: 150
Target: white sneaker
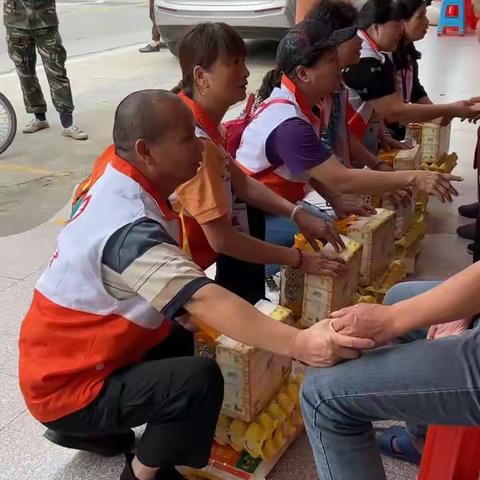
x: 73, y: 131
x: 35, y: 125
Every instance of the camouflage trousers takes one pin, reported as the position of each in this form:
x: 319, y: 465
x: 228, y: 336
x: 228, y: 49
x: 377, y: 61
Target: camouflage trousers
x: 22, y: 49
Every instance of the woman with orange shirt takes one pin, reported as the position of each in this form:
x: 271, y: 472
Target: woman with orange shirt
x: 217, y: 224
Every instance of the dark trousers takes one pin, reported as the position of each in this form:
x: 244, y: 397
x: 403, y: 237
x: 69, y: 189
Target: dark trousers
x: 176, y: 394
x: 155, y: 32
x: 22, y: 49
x: 245, y: 279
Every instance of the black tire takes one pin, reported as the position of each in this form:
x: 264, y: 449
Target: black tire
x: 12, y: 120
x: 172, y: 45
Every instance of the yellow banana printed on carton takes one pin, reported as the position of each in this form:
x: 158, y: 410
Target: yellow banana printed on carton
x: 268, y: 434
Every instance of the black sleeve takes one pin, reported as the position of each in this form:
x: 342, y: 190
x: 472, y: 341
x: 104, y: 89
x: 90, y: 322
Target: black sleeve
x: 418, y: 91
x: 370, y: 78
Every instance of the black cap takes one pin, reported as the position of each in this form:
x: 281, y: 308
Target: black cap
x: 302, y: 44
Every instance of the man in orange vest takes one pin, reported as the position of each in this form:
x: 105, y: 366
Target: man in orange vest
x: 102, y: 349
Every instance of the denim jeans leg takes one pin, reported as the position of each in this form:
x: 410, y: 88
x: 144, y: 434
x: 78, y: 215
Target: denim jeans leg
x: 279, y: 231
x: 423, y: 382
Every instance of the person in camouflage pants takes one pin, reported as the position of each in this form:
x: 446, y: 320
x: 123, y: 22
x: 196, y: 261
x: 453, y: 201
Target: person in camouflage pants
x: 33, y: 25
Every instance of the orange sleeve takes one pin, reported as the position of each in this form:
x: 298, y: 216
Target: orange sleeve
x: 205, y: 196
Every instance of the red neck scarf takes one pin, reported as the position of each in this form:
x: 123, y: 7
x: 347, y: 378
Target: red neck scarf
x: 305, y: 106
x: 203, y: 120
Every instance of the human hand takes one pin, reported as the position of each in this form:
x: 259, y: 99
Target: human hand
x: 399, y: 198
x: 449, y: 329
x: 322, y: 346
x: 437, y: 184
x: 357, y: 207
x: 362, y: 210
x: 466, y: 110
x: 324, y: 263
x: 314, y: 228
x: 388, y: 143
x: 366, y: 320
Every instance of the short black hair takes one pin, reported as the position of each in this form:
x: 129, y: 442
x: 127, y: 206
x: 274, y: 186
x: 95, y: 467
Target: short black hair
x: 139, y: 115
x: 381, y: 12
x: 337, y: 13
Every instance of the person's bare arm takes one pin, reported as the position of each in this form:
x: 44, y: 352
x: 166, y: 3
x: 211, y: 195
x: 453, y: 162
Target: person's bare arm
x: 234, y: 317
x: 361, y: 153
x: 394, y: 109
x: 257, y: 194
x: 455, y: 298
x: 350, y: 180
x: 223, y: 238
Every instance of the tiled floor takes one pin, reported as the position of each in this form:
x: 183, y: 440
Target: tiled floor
x: 26, y: 455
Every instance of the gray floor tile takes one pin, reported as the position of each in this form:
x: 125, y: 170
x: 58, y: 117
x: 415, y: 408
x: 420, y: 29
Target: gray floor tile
x: 8, y: 355
x: 11, y: 400
x: 15, y: 302
x: 23, y: 254
x: 6, y: 282
x: 25, y: 454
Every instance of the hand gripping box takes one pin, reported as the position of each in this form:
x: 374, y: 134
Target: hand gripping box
x: 377, y: 235
x: 324, y: 294
x: 252, y: 376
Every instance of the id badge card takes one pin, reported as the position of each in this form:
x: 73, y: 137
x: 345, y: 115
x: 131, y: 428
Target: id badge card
x: 240, y: 218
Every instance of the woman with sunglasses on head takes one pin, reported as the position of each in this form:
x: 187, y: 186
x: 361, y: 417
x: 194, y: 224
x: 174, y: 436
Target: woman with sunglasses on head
x: 222, y: 208
x: 374, y: 96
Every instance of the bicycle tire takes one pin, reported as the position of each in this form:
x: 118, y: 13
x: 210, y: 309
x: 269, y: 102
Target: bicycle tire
x: 13, y: 122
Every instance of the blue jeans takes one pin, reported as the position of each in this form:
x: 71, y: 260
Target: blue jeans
x: 421, y: 382
x: 281, y: 230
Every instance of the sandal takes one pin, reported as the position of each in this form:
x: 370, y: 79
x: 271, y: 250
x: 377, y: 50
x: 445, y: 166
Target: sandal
x: 408, y: 452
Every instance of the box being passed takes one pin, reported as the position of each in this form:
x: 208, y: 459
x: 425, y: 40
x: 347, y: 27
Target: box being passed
x: 377, y: 235
x: 324, y: 294
x: 252, y: 375
x: 434, y: 139
x: 402, y: 159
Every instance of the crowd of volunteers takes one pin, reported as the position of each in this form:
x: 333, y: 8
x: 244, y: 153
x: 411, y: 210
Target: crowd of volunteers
x: 107, y: 343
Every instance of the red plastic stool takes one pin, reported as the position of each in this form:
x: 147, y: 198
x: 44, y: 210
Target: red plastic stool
x: 451, y: 453
x: 470, y: 18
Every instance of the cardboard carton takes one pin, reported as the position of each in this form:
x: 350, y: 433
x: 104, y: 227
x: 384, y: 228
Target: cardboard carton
x: 433, y: 138
x: 291, y: 289
x: 407, y: 159
x: 252, y: 376
x: 377, y: 235
x: 324, y: 293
